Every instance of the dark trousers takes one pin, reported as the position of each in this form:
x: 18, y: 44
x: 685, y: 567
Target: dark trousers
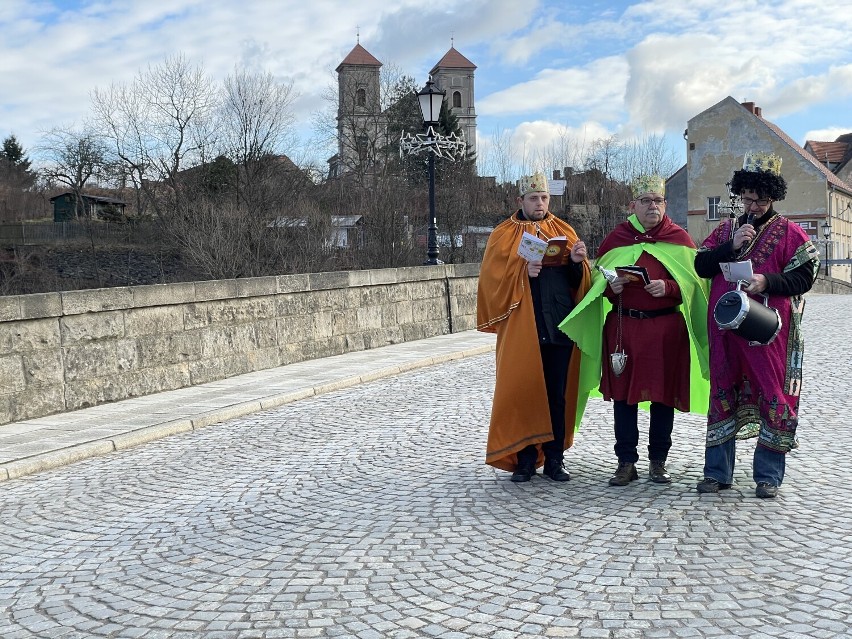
x: 554, y: 360
x: 627, y: 431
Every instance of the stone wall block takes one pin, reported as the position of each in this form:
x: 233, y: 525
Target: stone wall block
x: 263, y: 358
x: 96, y: 300
x: 404, y: 313
x: 41, y: 368
x: 344, y: 322
x: 40, y: 305
x: 153, y: 320
x: 127, y: 356
x: 163, y: 294
x: 165, y: 350
x: 29, y: 335
x: 297, y: 328
x: 215, y: 290
x: 196, y: 315
x: 12, y: 378
x: 226, y: 340
x: 368, y: 317
x: 92, y: 327
x: 256, y: 286
x: 266, y: 333
x: 332, y: 280
x: 37, y: 401
x: 294, y: 283
x: 90, y: 361
x: 91, y: 392
x: 323, y: 327
x: 10, y: 308
x: 242, y: 310
x: 293, y: 304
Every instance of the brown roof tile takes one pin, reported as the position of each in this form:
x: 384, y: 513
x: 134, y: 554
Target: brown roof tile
x: 359, y: 56
x: 453, y: 60
x: 831, y: 177
x: 832, y: 152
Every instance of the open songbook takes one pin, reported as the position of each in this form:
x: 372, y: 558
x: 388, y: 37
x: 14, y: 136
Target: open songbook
x: 633, y: 274
x: 736, y: 271
x: 552, y: 252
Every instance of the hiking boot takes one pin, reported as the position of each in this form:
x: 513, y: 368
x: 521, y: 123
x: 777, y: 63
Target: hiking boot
x: 523, y: 474
x: 658, y: 473
x: 624, y: 474
x: 555, y: 469
x: 710, y: 485
x: 766, y: 490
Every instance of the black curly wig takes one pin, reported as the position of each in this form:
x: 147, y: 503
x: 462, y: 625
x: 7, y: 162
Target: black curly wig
x: 763, y: 183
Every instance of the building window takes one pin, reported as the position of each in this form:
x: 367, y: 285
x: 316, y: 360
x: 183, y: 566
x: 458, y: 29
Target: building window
x: 361, y: 97
x: 456, y: 99
x: 713, y: 209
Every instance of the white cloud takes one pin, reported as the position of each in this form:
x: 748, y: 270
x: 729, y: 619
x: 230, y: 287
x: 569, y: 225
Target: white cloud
x: 595, y: 90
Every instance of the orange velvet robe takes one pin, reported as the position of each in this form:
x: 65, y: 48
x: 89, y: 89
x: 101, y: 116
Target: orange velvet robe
x: 519, y: 414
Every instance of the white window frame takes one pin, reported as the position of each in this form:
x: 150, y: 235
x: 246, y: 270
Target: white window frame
x: 714, y: 208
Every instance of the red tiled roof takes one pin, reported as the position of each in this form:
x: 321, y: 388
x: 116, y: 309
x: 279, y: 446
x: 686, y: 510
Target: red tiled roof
x: 831, y: 177
x: 359, y: 56
x: 832, y: 152
x: 453, y: 60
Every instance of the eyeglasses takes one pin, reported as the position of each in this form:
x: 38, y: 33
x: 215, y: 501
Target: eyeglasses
x: 646, y: 201
x: 747, y: 202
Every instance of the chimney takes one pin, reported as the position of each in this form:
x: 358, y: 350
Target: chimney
x: 752, y: 108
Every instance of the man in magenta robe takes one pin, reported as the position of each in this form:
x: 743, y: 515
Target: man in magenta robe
x: 755, y: 388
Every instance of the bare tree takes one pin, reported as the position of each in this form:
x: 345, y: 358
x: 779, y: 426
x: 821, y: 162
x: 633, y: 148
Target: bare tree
x: 73, y: 157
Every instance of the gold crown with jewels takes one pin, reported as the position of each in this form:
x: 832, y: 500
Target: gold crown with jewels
x: 535, y: 183
x: 757, y: 161
x: 648, y: 184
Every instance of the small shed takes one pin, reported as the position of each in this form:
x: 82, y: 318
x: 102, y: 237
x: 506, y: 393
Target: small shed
x: 93, y: 206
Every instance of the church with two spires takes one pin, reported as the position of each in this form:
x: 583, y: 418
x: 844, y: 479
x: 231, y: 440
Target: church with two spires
x: 361, y: 121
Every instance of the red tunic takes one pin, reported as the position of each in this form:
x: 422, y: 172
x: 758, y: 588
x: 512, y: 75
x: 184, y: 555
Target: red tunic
x: 657, y: 348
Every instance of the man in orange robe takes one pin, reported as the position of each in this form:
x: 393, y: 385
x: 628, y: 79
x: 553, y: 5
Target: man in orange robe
x: 533, y: 415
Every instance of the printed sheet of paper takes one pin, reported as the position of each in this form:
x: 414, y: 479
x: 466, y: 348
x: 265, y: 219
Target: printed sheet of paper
x: 531, y: 248
x: 736, y: 271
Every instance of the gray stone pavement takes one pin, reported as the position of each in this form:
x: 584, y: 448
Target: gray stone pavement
x: 367, y: 512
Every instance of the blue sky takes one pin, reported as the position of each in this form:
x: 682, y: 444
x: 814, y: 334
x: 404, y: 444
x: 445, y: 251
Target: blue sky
x: 547, y: 71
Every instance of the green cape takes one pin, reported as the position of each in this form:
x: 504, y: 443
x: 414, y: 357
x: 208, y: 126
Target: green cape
x: 585, y: 323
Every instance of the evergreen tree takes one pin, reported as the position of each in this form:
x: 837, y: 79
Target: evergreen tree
x: 14, y: 153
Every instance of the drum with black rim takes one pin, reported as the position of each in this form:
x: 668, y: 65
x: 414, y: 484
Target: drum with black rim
x: 737, y: 312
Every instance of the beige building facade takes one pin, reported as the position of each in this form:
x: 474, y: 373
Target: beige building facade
x: 718, y: 139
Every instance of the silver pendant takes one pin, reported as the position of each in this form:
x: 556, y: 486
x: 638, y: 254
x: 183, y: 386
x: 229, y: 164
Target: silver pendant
x: 618, y: 361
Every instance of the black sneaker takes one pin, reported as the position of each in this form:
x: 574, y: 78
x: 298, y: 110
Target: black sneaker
x: 710, y: 485
x: 766, y: 490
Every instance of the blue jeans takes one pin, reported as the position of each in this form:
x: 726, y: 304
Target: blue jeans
x: 768, y: 465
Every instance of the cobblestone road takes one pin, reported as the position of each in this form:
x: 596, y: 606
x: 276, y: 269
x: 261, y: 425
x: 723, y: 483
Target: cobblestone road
x: 368, y: 513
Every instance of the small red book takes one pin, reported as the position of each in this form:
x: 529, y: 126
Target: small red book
x: 557, y: 253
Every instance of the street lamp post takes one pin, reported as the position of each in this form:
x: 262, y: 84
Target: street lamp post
x: 450, y: 146
x: 826, y: 233
x: 430, y: 106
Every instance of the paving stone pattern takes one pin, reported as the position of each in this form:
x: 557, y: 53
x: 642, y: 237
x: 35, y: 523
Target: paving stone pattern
x: 368, y: 513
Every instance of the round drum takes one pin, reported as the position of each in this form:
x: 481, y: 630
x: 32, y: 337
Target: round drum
x: 758, y: 323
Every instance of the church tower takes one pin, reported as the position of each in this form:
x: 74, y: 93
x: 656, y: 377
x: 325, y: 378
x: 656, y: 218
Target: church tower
x: 358, y: 110
x: 454, y: 75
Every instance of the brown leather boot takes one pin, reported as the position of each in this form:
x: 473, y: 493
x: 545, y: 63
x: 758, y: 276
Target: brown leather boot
x: 624, y: 474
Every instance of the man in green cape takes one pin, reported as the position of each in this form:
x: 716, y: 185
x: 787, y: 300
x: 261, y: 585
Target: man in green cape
x: 649, y: 328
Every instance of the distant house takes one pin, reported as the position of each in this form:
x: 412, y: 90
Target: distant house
x: 718, y: 138
x: 99, y: 207
x: 346, y: 230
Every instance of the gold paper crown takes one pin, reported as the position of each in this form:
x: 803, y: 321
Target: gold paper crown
x: 536, y: 182
x: 758, y: 161
x: 648, y: 184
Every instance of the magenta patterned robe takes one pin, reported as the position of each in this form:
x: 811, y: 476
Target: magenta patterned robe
x: 754, y: 390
